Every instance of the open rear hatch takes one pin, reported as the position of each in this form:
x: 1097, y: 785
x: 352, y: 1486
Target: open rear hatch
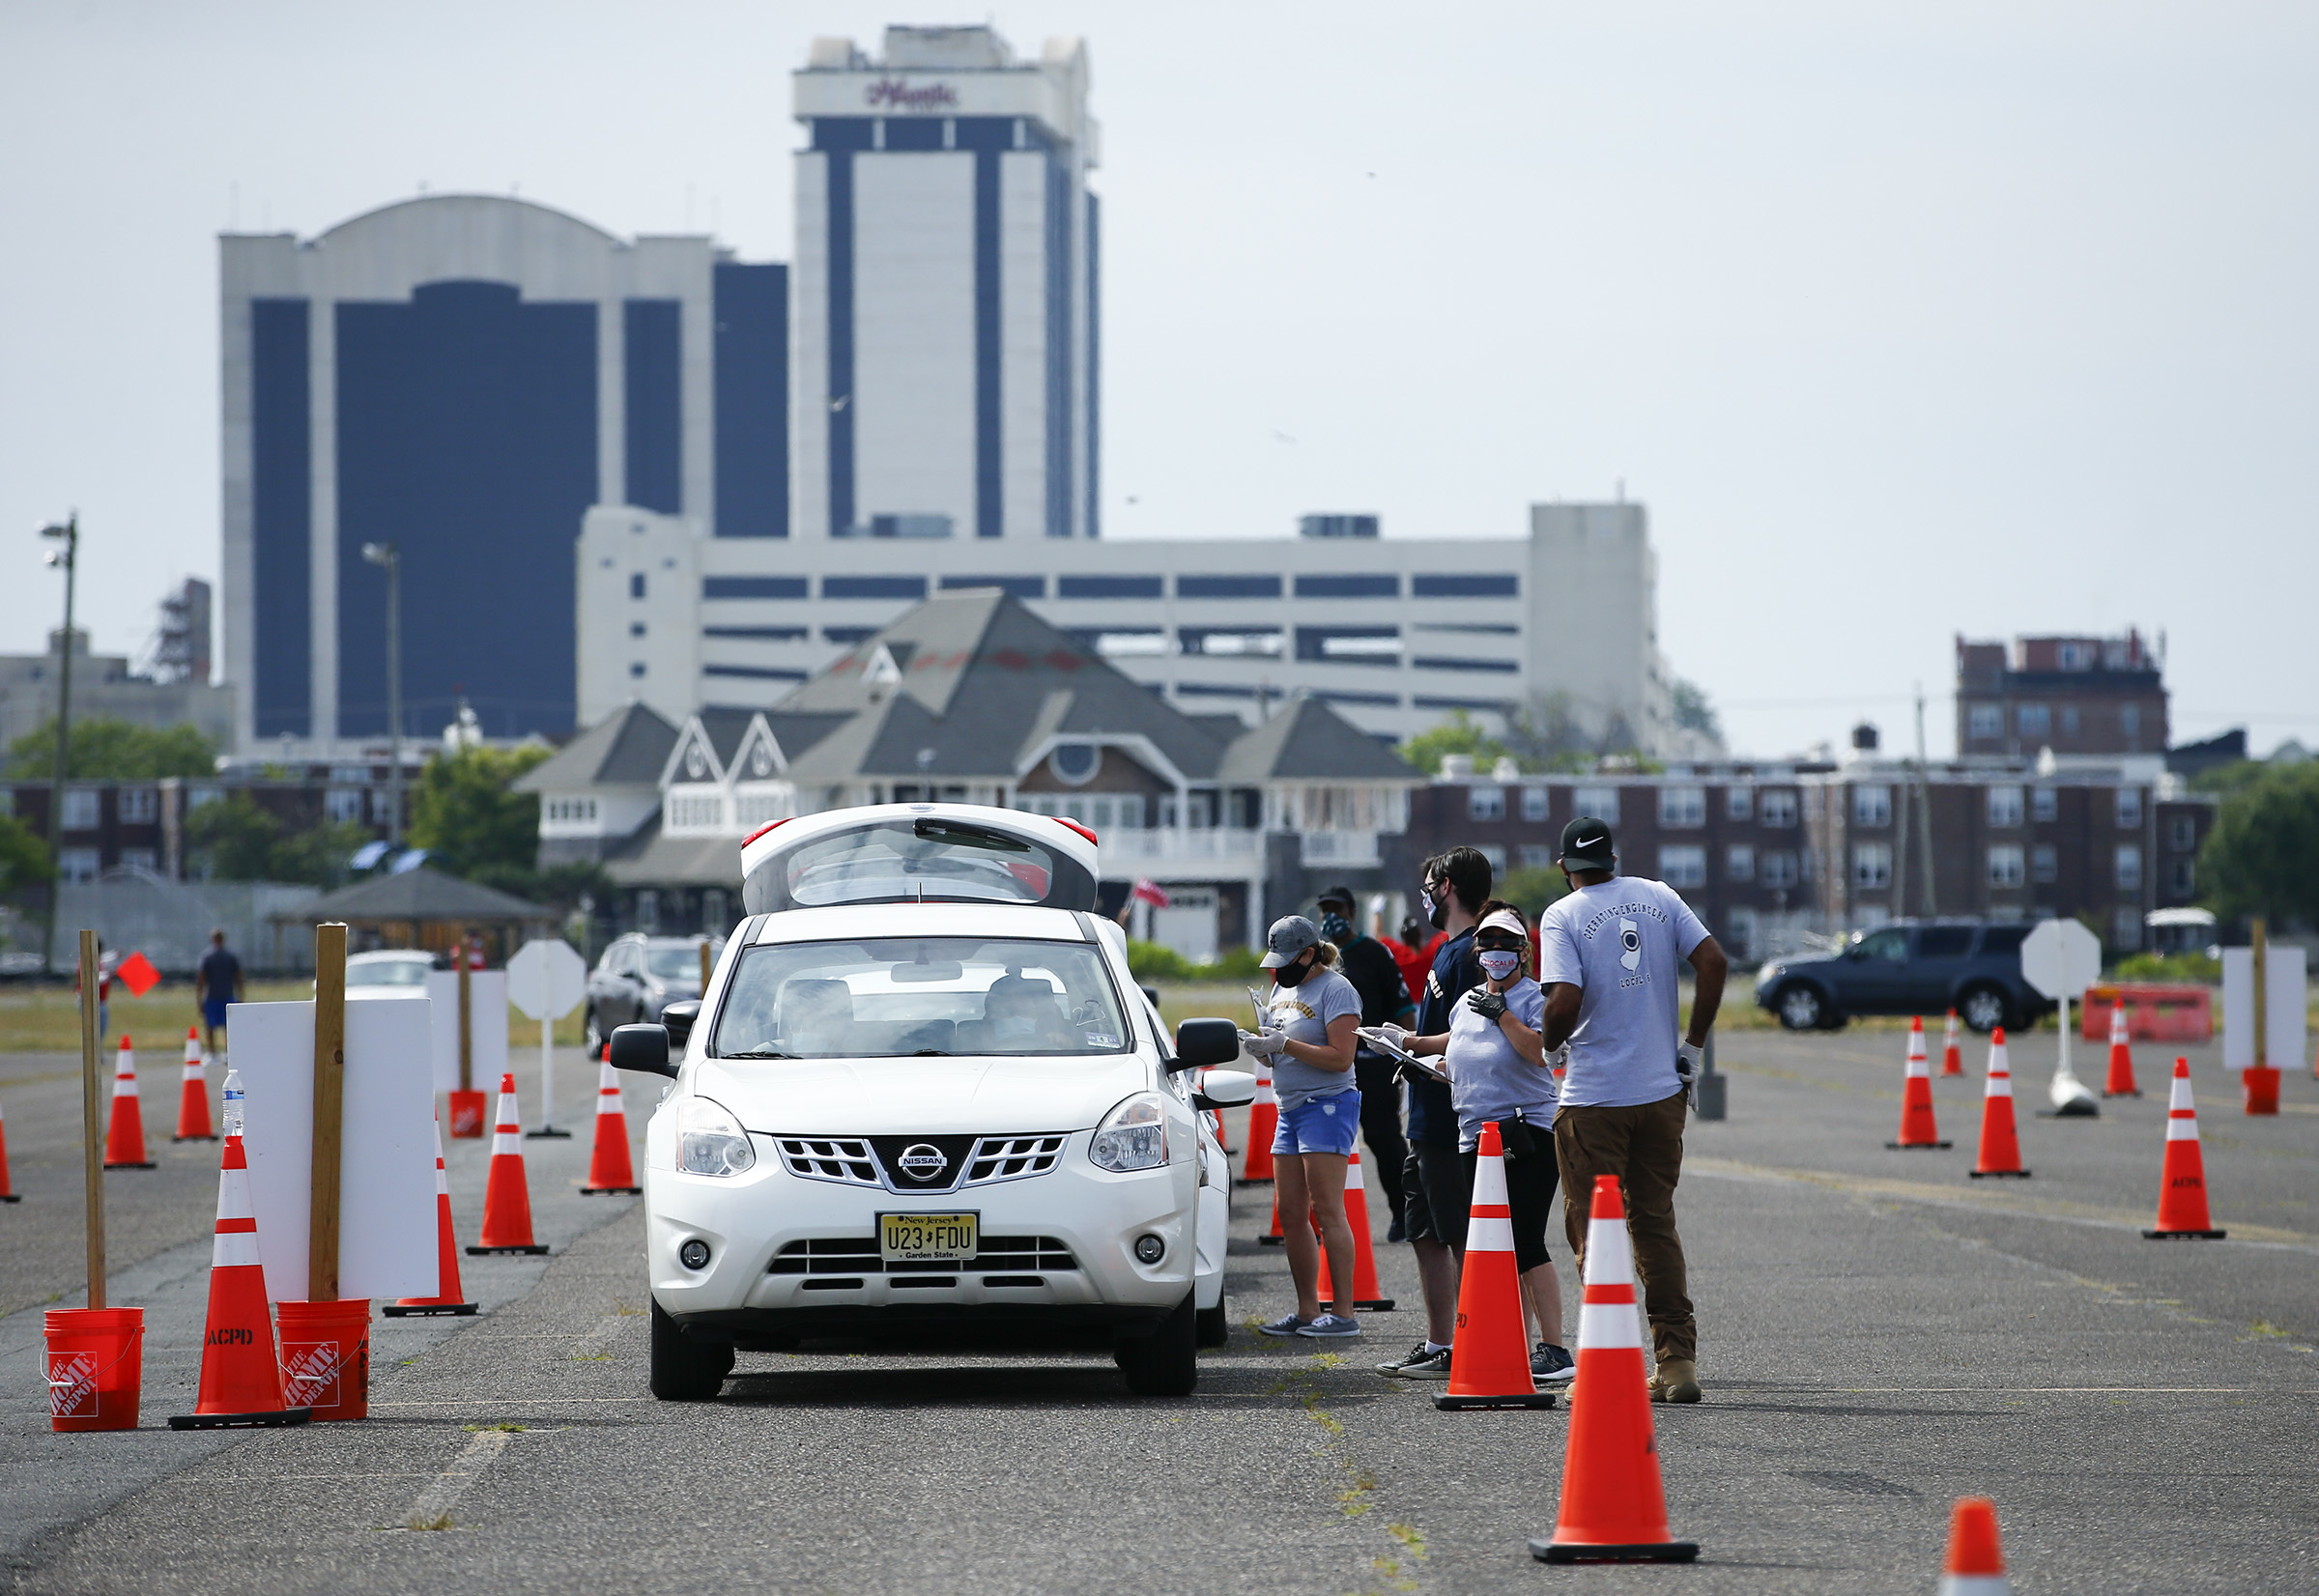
x: 919, y: 853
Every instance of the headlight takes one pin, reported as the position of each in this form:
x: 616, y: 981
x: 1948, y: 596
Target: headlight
x: 1132, y: 1136
x: 710, y: 1141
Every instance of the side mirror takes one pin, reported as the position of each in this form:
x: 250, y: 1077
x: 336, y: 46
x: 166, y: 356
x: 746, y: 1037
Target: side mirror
x: 678, y: 1018
x: 1203, y: 1043
x: 1224, y: 1089
x: 643, y: 1048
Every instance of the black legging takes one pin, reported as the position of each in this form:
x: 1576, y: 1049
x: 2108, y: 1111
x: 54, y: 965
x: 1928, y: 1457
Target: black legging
x: 1381, y: 1125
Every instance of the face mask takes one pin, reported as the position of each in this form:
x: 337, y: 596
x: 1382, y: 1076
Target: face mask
x: 1499, y: 963
x: 1336, y: 929
x: 1437, y: 915
x: 1293, y: 974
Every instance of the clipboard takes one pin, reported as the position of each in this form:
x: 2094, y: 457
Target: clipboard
x: 1382, y: 1044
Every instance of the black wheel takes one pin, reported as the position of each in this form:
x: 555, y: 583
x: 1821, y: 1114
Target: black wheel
x: 1215, y: 1328
x: 1984, y: 1009
x: 1164, y: 1362
x: 1801, y: 1008
x: 685, y: 1370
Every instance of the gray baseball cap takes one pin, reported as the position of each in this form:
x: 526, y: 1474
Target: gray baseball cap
x: 1290, y: 935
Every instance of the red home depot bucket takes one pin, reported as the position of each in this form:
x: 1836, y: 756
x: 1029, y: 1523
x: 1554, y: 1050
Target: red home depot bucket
x: 96, y: 1367
x: 326, y: 1358
x: 467, y: 1115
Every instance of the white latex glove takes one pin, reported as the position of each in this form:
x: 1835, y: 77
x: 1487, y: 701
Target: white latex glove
x: 1264, y: 1044
x: 1399, y: 1035
x: 1686, y: 1065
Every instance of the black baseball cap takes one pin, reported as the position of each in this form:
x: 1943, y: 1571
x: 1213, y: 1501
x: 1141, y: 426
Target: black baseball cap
x: 1338, y: 895
x: 1586, y: 845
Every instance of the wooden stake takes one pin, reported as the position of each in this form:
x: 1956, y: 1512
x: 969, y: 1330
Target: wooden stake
x: 330, y: 1111
x: 90, y: 1106
x: 2262, y: 982
x: 707, y: 964
x: 467, y: 1050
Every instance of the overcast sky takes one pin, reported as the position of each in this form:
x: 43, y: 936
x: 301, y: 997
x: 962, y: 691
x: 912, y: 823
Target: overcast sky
x: 1904, y: 321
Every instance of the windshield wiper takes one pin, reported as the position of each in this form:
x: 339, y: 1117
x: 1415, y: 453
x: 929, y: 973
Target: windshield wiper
x: 758, y: 1053
x: 932, y: 1053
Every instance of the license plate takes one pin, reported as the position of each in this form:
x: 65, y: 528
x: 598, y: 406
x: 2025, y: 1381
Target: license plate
x: 927, y: 1237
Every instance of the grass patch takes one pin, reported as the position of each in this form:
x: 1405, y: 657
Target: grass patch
x: 506, y: 1425
x: 423, y: 1522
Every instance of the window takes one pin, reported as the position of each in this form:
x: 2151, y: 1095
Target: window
x: 2130, y: 808
x: 1871, y: 805
x: 1348, y: 585
x: 1872, y: 865
x: 2033, y: 719
x: 1536, y: 856
x: 636, y: 628
x: 1458, y: 662
x: 1684, y: 807
x: 1886, y: 947
x: 2044, y: 864
x: 80, y: 809
x: 1349, y: 645
x: 76, y: 865
x: 1944, y: 941
x: 753, y: 588
x: 1107, y: 588
x: 1228, y: 588
x: 1494, y: 853
x: 1738, y: 803
x: 873, y: 587
x: 1740, y: 924
x: 2004, y: 807
x: 1683, y: 865
x: 2183, y: 833
x: 2130, y: 867
x: 714, y: 915
x: 1534, y: 804
x: 1739, y: 862
x: 2069, y: 719
x: 636, y: 668
x: 1465, y: 585
x: 2005, y: 865
x: 2130, y: 720
x: 1812, y: 803
x: 1105, y: 810
x: 1485, y: 803
x: 1778, y: 807
x: 1602, y: 802
x: 8, y: 800
x: 2045, y: 805
x: 342, y: 804
x: 382, y: 807
x: 1985, y: 720
x: 2075, y: 656
x: 647, y: 911
x: 1779, y: 869
x: 2186, y: 878
x: 1021, y: 587
x: 141, y: 858
x: 138, y: 805
x: 2003, y: 939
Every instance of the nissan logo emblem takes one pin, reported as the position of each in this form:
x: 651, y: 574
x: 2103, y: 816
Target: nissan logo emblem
x: 922, y: 1162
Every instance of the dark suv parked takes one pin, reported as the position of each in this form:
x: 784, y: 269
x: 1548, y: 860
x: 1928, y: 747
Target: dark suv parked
x: 1909, y: 967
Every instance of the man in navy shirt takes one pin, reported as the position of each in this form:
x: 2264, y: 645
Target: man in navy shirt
x: 1435, y: 1195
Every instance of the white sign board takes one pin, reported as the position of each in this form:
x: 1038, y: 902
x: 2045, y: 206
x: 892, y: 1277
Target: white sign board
x: 2283, y: 977
x: 2061, y: 959
x: 487, y: 995
x: 387, y: 1242
x: 546, y: 979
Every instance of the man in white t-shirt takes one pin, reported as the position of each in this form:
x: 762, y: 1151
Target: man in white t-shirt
x: 1607, y: 954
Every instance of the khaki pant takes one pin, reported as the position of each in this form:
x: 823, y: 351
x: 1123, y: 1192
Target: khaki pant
x: 1643, y: 1146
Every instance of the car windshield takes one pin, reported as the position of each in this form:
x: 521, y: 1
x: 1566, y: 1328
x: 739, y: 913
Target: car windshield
x: 389, y: 972
x: 674, y: 963
x: 925, y: 858
x: 895, y: 997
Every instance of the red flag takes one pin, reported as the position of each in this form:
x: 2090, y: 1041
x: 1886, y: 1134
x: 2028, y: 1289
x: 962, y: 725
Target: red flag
x: 1148, y: 891
x: 137, y: 974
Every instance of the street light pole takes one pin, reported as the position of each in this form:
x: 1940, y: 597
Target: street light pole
x: 390, y: 557
x: 67, y: 556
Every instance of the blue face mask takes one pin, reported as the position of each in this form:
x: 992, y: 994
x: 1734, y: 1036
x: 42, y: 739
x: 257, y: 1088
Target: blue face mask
x: 1336, y: 929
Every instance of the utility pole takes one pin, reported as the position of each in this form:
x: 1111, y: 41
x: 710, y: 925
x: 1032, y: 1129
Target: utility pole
x: 388, y: 556
x: 1923, y: 805
x: 67, y: 556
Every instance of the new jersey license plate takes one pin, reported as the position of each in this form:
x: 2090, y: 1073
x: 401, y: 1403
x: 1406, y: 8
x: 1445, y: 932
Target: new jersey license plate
x: 927, y: 1237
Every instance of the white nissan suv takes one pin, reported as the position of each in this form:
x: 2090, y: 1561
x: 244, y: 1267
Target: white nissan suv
x: 923, y: 1100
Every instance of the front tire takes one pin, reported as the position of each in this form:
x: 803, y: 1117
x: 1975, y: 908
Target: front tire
x: 1165, y: 1362
x: 593, y: 1033
x: 1801, y: 1008
x: 685, y: 1370
x: 1215, y: 1328
x: 1984, y: 1009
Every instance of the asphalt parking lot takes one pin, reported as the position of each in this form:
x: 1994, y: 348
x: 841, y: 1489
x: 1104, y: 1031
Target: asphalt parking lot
x: 1878, y: 1335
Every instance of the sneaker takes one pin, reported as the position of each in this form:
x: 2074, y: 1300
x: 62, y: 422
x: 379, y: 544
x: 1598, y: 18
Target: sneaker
x: 1331, y: 1324
x: 1552, y: 1365
x: 1430, y: 1366
x: 1676, y: 1380
x: 1396, y: 1231
x: 1393, y: 1367
x: 1287, y: 1323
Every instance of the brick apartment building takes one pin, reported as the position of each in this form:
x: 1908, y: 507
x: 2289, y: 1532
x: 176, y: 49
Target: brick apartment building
x: 2076, y: 695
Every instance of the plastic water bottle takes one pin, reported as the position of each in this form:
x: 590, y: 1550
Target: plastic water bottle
x: 232, y: 1116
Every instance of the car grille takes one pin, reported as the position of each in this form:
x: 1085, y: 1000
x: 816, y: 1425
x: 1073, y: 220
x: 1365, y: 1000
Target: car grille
x: 872, y: 1161
x: 859, y: 1255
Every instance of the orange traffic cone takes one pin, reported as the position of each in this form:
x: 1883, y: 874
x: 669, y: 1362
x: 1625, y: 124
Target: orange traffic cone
x: 1276, y: 1238
x: 7, y: 1193
x: 1917, y: 1129
x: 1952, y: 1060
x: 608, y: 1166
x: 1614, y: 1507
x: 1264, y: 1120
x: 240, y: 1382
x: 125, y: 1133
x: 2000, y: 1147
x: 506, y: 1196
x: 194, y: 1101
x: 447, y: 1255
x: 1223, y: 1133
x: 2121, y: 1057
x: 1367, y: 1293
x: 1489, y: 1355
x: 1975, y: 1565
x: 2182, y: 1214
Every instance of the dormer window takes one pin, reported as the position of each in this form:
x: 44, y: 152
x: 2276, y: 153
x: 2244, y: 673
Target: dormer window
x: 696, y: 764
x: 1075, y: 763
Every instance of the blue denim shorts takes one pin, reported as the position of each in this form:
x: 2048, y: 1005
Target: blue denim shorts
x: 1324, y: 1124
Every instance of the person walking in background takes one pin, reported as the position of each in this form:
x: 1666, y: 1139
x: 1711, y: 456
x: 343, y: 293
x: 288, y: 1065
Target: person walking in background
x: 1610, y: 951
x: 216, y: 982
x: 1500, y: 1071
x: 1435, y: 1195
x: 1385, y: 1000
x: 1307, y: 1033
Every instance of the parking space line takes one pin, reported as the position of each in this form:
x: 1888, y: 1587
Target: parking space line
x: 433, y: 1509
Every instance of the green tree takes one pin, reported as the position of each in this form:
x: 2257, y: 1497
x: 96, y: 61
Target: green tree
x: 1693, y: 712
x: 1458, y: 735
x: 1532, y: 888
x: 231, y: 839
x: 320, y: 858
x: 2263, y: 855
x: 114, y: 751
x: 23, y: 857
x: 469, y: 821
